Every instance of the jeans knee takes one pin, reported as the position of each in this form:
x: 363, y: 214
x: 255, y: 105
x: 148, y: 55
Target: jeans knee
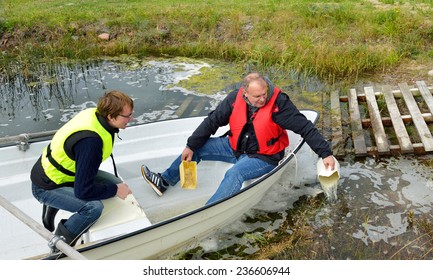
x: 94, y: 208
x: 36, y: 192
x: 232, y: 174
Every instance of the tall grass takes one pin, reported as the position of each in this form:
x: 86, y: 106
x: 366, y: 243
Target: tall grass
x: 335, y: 40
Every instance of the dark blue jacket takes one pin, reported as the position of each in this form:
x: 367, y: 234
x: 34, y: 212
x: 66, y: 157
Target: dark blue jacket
x: 288, y: 117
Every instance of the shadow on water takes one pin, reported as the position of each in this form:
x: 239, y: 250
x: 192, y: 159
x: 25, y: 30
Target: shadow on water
x: 382, y: 205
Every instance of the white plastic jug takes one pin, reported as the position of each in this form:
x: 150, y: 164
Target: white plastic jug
x: 328, y: 178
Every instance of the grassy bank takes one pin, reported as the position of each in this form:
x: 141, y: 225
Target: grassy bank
x: 335, y: 40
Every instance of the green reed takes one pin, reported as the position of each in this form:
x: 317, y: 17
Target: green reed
x: 334, y: 40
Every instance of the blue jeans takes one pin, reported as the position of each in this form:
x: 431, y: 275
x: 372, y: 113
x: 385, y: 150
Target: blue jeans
x: 86, y: 212
x: 219, y: 149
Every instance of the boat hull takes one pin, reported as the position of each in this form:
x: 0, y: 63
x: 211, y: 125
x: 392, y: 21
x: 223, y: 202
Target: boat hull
x: 178, y: 218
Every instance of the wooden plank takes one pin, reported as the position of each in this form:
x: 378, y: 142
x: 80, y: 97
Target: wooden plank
x: 397, y: 121
x: 418, y: 120
x: 423, y: 89
x: 356, y: 126
x: 181, y: 110
x: 199, y: 107
x: 418, y: 148
x: 325, y: 126
x: 397, y: 94
x: 428, y: 118
x: 337, y: 130
x: 376, y: 122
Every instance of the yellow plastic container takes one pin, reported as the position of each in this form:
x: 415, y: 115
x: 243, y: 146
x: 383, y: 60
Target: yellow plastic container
x: 188, y: 175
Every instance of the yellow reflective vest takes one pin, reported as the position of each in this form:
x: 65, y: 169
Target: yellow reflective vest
x: 58, y: 166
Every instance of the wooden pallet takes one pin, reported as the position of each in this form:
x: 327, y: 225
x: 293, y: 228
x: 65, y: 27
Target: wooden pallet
x: 386, y: 121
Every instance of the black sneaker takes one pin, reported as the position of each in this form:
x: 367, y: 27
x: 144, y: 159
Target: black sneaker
x: 158, y: 184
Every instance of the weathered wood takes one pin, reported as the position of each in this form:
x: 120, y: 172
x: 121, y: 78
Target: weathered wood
x: 418, y: 120
x: 423, y: 89
x: 356, y: 126
x: 428, y: 118
x: 418, y: 149
x: 397, y: 94
x: 397, y: 121
x: 198, y: 108
x: 337, y: 131
x: 376, y: 122
x: 182, y: 108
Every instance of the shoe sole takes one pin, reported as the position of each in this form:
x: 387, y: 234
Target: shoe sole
x: 158, y: 192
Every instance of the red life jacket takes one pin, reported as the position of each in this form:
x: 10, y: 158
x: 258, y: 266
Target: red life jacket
x: 270, y: 136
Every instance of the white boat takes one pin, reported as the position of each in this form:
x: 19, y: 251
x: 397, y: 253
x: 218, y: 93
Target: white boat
x: 145, y: 226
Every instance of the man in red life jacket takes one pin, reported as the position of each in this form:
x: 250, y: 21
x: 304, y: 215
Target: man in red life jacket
x: 258, y: 115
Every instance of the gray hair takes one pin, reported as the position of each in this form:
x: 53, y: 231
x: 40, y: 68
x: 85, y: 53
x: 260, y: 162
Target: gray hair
x: 254, y: 77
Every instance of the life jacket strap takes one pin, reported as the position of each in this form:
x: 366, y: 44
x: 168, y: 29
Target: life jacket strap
x: 274, y: 140
x: 56, y: 164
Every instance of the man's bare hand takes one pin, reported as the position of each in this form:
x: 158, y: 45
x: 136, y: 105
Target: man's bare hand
x: 123, y: 190
x: 187, y: 154
x: 329, y: 162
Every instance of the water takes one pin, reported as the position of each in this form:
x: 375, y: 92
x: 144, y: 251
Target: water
x: 51, y: 96
x: 377, y: 199
x: 375, y: 216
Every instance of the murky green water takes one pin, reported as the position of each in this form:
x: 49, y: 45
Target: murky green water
x: 377, y: 196
x: 50, y: 95
x: 48, y: 98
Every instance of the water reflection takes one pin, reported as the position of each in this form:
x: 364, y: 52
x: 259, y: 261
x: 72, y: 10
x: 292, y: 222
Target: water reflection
x: 42, y: 97
x: 46, y: 97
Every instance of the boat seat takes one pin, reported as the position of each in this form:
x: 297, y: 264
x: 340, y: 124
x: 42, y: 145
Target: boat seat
x: 118, y: 217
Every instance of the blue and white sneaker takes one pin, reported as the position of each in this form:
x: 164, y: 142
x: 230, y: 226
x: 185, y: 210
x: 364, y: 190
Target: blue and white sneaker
x: 155, y: 180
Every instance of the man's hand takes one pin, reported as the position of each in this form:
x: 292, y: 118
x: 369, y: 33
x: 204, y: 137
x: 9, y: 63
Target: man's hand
x: 329, y: 162
x: 187, y: 154
x: 123, y: 190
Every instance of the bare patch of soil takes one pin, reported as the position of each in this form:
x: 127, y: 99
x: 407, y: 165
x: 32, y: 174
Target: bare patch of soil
x: 407, y: 71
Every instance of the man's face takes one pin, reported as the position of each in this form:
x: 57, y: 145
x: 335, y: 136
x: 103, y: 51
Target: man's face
x: 257, y: 93
x: 122, y: 119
